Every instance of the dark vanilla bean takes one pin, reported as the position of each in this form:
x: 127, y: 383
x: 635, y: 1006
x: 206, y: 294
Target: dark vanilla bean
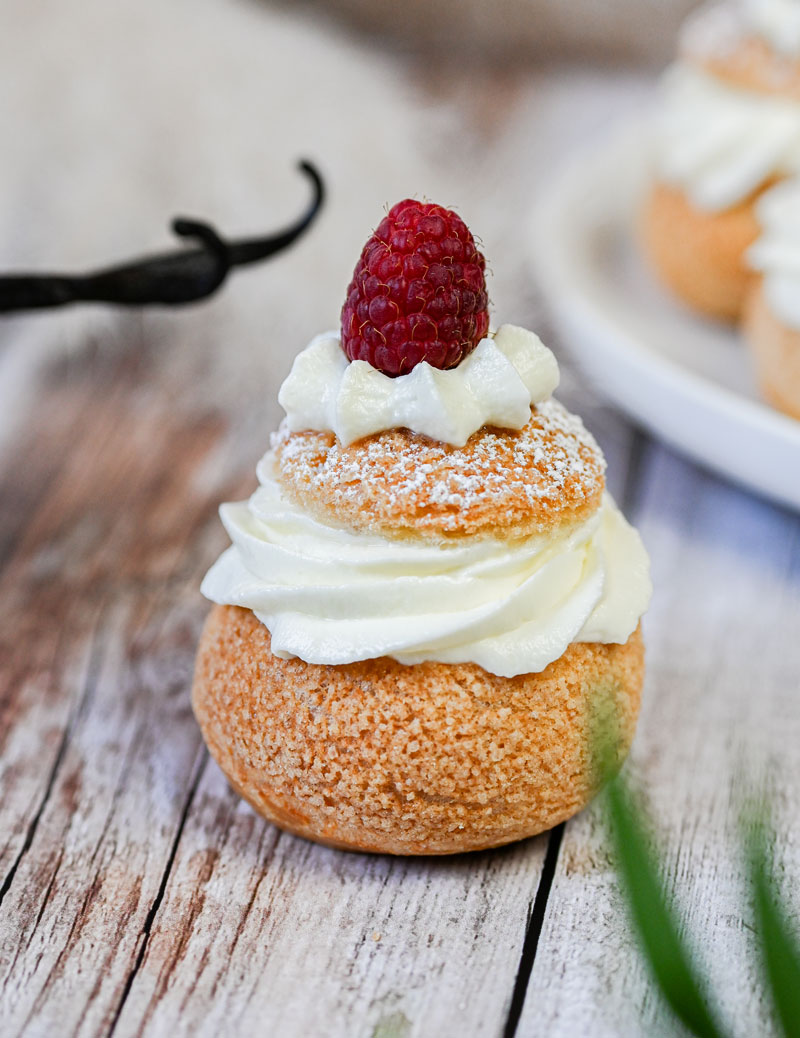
x: 167, y: 279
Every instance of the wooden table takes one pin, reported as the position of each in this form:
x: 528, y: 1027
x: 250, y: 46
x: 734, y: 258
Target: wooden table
x: 139, y: 895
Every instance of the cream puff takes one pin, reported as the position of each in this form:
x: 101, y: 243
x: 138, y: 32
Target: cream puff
x: 430, y: 599
x: 728, y: 128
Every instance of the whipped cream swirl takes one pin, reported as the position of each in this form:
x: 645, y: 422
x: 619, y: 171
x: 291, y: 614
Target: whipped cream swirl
x: 776, y: 254
x: 494, y: 385
x: 719, y: 143
x: 332, y: 596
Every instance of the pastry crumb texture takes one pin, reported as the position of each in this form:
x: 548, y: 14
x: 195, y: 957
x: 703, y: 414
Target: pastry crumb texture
x: 500, y: 483
x: 430, y: 759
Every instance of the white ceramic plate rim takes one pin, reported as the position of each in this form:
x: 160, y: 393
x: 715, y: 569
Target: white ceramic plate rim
x: 738, y: 437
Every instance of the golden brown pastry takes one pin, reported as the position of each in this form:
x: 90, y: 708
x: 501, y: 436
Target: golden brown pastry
x: 434, y: 758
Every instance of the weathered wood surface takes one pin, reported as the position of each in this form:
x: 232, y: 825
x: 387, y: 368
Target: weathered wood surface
x: 99, y: 615
x: 720, y: 723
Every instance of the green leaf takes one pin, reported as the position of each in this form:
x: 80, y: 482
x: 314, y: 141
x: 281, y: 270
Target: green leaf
x: 652, y: 917
x: 778, y: 949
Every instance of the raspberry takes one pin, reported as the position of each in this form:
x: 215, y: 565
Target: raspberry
x: 418, y: 292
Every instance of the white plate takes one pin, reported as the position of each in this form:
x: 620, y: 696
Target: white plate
x: 686, y: 379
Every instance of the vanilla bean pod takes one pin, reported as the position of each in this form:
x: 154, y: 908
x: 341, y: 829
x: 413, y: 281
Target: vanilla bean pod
x: 169, y: 278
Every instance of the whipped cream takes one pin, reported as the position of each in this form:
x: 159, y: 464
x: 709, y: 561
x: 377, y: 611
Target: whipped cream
x: 719, y: 143
x: 776, y: 254
x: 775, y: 21
x: 332, y: 596
x: 719, y: 29
x: 494, y: 385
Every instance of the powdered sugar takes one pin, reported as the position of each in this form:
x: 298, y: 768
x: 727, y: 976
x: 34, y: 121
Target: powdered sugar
x: 530, y: 478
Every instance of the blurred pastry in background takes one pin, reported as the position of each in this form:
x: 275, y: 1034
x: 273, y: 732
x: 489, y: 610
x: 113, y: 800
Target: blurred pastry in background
x: 772, y: 312
x: 728, y: 129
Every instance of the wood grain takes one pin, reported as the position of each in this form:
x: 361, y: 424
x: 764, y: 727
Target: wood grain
x: 279, y: 936
x: 720, y: 722
x: 99, y: 619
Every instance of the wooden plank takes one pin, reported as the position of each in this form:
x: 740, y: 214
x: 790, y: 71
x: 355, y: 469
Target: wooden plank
x: 720, y: 716
x: 264, y: 933
x: 106, y: 525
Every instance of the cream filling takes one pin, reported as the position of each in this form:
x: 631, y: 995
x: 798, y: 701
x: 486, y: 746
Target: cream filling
x: 494, y: 385
x: 719, y: 143
x: 776, y: 254
x: 331, y: 596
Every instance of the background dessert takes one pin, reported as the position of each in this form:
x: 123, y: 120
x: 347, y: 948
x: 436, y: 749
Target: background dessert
x: 419, y: 617
x: 772, y: 314
x: 728, y: 128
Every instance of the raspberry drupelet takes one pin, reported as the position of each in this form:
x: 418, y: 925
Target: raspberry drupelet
x: 418, y: 292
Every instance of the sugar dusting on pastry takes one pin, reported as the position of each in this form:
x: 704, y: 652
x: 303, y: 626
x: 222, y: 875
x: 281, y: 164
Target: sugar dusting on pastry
x: 501, y: 481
